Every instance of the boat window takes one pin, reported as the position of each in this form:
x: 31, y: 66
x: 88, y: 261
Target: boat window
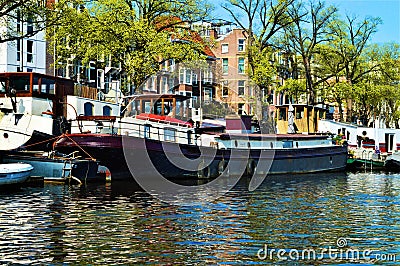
x: 158, y: 110
x: 35, y: 85
x: 297, y: 144
x: 47, y: 86
x: 272, y: 145
x: 299, y: 112
x: 236, y: 143
x: 88, y: 108
x: 287, y: 144
x: 2, y: 87
x: 20, y: 83
x: 147, y: 107
x: 106, y: 110
x: 169, y: 134
x: 147, y: 131
x: 282, y: 114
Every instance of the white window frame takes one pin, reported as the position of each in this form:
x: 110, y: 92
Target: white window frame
x: 225, y: 66
x: 29, y: 53
x: 225, y: 87
x: 241, y: 45
x: 224, y: 48
x: 241, y: 65
x: 241, y: 86
x: 185, y: 76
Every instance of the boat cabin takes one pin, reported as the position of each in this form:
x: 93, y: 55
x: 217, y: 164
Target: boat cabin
x: 163, y: 117
x: 304, y: 118
x: 36, y: 93
x: 271, y: 141
x: 172, y: 105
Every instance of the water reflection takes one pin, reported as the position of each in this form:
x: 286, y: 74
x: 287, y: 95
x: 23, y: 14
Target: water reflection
x: 121, y: 224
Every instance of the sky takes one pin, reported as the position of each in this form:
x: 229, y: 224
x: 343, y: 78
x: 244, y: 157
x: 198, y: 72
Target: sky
x: 387, y: 10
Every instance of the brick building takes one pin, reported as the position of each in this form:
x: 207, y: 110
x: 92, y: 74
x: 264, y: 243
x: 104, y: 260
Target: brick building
x: 235, y: 88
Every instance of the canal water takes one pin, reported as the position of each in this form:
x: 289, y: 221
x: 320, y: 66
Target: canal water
x: 319, y: 219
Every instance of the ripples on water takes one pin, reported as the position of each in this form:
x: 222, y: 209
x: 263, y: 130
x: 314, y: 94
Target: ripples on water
x: 120, y: 224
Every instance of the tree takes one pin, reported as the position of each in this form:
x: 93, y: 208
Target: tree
x: 139, y: 35
x: 305, y: 35
x: 351, y: 38
x: 350, y: 41
x: 14, y: 13
x: 293, y: 88
x: 387, y: 78
x: 368, y: 101
x: 262, y: 20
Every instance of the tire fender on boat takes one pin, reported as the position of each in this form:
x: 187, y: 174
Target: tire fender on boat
x: 204, y: 172
x: 250, y: 167
x: 222, y: 166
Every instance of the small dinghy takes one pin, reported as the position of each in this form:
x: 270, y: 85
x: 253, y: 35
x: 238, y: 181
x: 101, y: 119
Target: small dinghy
x: 14, y: 173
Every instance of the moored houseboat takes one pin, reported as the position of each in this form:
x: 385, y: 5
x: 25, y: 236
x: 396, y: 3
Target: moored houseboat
x: 155, y: 127
x: 36, y: 108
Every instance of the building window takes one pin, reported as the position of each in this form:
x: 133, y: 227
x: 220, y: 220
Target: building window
x: 241, y: 45
x: 225, y: 89
x: 92, y: 72
x: 185, y: 76
x: 225, y: 66
x: 240, y: 87
x: 29, y: 51
x: 207, y: 76
x: 208, y: 95
x: 18, y: 21
x: 18, y: 50
x: 224, y: 48
x: 29, y: 26
x: 164, y: 85
x: 241, y: 108
x: 88, y: 109
x: 241, y: 65
x: 106, y: 110
x: 195, y: 78
x: 188, y: 76
x: 150, y: 84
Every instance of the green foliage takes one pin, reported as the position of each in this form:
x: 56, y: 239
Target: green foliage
x: 262, y: 71
x: 216, y: 109
x: 293, y: 88
x: 137, y: 35
x: 11, y: 11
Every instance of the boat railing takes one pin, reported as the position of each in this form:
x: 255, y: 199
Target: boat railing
x: 168, y: 122
x: 159, y: 131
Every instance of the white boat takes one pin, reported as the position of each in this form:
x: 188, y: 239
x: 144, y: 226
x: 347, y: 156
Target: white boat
x: 14, y: 173
x: 36, y: 108
x: 56, y: 168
